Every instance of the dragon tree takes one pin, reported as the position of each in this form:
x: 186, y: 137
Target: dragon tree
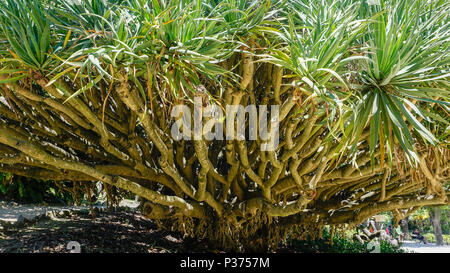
x: 88, y: 90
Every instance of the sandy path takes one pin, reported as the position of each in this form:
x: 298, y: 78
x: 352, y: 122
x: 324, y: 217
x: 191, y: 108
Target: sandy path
x: 425, y: 248
x: 11, y: 212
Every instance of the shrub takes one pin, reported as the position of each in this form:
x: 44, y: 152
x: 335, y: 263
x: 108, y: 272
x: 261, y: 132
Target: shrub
x: 341, y: 244
x: 432, y: 238
x: 27, y: 190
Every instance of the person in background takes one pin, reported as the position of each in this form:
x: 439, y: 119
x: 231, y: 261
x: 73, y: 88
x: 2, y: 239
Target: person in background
x: 372, y: 225
x: 389, y: 230
x: 416, y: 235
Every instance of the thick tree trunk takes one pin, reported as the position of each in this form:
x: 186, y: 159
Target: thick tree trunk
x: 435, y: 215
x: 404, y: 225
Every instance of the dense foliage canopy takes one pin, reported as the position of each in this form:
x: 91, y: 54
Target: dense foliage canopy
x: 87, y: 88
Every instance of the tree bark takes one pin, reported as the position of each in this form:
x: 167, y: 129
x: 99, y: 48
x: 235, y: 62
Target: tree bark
x: 435, y: 215
x: 404, y: 225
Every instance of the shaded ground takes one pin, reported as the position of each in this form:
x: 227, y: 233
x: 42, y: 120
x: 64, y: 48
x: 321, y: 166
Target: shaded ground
x: 34, y: 229
x: 123, y: 232
x: 425, y: 248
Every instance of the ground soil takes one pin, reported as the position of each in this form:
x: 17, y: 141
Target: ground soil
x: 108, y: 232
x: 124, y: 230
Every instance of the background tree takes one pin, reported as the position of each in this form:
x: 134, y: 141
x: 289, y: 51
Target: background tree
x: 435, y: 217
x: 88, y: 87
x: 27, y: 190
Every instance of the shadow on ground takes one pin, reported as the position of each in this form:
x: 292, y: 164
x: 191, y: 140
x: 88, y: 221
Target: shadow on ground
x: 109, y: 232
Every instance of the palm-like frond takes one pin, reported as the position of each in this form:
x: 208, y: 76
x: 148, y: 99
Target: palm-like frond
x: 375, y: 66
x: 27, y: 31
x: 407, y: 46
